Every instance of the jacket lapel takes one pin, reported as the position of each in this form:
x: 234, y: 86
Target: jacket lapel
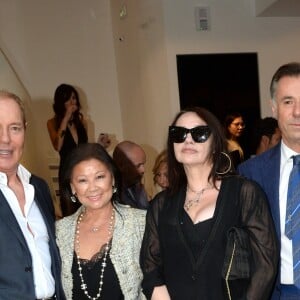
x: 7, y: 216
x: 271, y: 182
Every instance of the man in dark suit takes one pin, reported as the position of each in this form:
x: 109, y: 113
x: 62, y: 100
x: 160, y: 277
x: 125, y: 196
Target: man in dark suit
x: 272, y: 168
x: 29, y: 257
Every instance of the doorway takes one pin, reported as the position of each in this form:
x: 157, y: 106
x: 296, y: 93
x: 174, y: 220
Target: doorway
x: 222, y: 83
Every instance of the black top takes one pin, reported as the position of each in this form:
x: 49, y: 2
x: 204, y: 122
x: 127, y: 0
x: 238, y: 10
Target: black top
x: 91, y: 271
x: 67, y: 206
x: 69, y: 144
x: 169, y: 255
x: 197, y: 234
x: 135, y: 196
x: 236, y: 158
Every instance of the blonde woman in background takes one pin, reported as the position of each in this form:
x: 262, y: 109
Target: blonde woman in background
x: 160, y: 172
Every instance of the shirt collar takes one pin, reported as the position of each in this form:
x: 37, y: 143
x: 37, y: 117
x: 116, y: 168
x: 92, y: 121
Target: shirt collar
x: 22, y: 173
x: 286, y: 152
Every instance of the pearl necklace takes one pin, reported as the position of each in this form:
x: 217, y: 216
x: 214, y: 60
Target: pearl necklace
x: 189, y: 203
x: 103, y: 264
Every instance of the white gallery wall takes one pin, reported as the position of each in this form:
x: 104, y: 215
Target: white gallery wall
x: 10, y: 82
x: 125, y: 67
x: 52, y: 42
x: 234, y: 29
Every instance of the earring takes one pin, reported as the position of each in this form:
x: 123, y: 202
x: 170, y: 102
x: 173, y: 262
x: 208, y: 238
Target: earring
x: 114, y: 189
x: 229, y: 166
x: 73, y: 198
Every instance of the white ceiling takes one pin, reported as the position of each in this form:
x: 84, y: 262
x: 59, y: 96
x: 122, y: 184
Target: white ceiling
x: 277, y: 8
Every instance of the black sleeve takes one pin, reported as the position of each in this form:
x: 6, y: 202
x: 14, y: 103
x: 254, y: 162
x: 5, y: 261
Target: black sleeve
x: 151, y: 258
x: 256, y: 218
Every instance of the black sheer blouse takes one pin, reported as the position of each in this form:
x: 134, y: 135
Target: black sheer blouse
x: 91, y: 270
x: 189, y: 259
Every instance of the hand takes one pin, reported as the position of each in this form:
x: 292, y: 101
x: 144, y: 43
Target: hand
x: 70, y: 109
x: 104, y: 140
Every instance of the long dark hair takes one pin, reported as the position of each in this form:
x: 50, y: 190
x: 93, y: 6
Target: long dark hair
x: 220, y: 162
x: 85, y: 152
x: 228, y: 120
x: 62, y: 94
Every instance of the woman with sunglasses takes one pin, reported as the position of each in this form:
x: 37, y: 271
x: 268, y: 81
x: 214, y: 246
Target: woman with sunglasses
x: 210, y: 235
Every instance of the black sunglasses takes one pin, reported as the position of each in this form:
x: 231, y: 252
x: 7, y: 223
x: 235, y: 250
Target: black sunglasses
x: 200, y: 134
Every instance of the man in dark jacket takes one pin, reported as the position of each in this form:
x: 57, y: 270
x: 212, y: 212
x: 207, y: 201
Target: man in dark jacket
x: 29, y: 257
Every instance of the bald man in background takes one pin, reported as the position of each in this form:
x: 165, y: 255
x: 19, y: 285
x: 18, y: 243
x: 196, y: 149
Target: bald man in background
x: 131, y: 158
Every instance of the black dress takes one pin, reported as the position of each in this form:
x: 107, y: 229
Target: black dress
x: 91, y: 270
x: 189, y: 258
x: 67, y: 206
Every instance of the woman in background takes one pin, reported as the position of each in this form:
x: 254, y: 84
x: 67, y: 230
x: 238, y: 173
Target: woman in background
x: 100, y: 243
x: 67, y: 129
x: 160, y: 171
x: 187, y: 251
x: 234, y: 128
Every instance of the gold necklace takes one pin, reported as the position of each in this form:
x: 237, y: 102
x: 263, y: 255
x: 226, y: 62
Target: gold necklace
x: 103, y: 264
x: 189, y: 203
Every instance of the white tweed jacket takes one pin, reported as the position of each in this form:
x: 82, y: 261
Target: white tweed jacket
x: 124, y: 254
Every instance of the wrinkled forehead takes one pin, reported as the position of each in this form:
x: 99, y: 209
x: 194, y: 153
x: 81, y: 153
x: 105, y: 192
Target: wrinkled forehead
x: 286, y: 86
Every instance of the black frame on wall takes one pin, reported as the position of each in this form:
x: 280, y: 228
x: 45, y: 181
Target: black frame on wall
x: 222, y: 83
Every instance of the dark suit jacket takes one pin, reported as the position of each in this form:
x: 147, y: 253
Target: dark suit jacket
x: 135, y: 196
x: 16, y: 274
x: 265, y: 169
